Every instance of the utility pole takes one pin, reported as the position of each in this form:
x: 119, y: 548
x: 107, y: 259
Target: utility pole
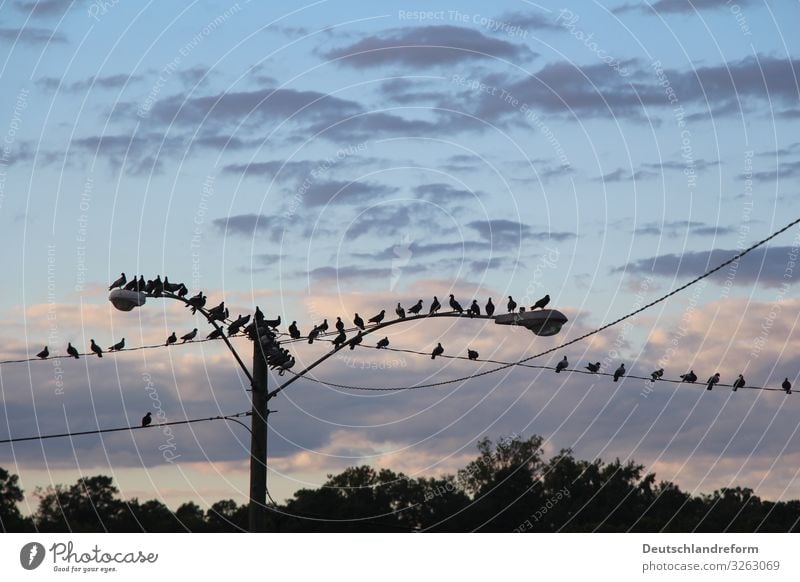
x: 257, y: 514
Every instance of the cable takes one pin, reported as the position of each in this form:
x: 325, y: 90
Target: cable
x: 122, y: 428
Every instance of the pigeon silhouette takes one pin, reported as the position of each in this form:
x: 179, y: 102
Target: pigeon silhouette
x: 738, y: 383
x: 512, y: 305
x: 437, y: 351
x: 323, y: 327
x: 619, y: 372
x: 132, y: 284
x: 401, y: 313
x: 712, y: 380
x: 562, y: 365
x: 147, y: 419
x: 312, y: 335
x: 117, y: 346
x: 593, y: 368
x: 489, y: 307
x: 542, y: 303
x: 455, y: 305
x: 378, y: 318
x: 172, y: 339
x: 339, y: 340
x: 285, y: 366
x: 44, y: 353
x: 119, y: 282
x: 474, y: 309
x: 72, y: 351
x: 96, y: 349
x: 189, y: 336
x: 339, y: 324
x: 383, y: 344
x: 656, y: 375
x: 294, y: 333
x: 183, y: 291
x: 435, y: 306
x: 355, y: 341
x: 171, y: 287
x: 416, y: 308
x: 787, y: 386
x: 217, y: 333
x: 359, y: 323
x: 472, y: 354
x: 690, y: 377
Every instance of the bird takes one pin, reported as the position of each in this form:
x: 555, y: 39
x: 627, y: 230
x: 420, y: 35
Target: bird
x: 183, y: 291
x: 196, y: 302
x: 512, y: 305
x: 472, y: 354
x: 489, y: 307
x: 437, y: 351
x: 285, y: 366
x: 274, y: 323
x: 119, y: 282
x: 562, y: 365
x: 72, y: 351
x: 383, y: 344
x: 355, y: 341
x: 787, y: 386
x: 401, y: 313
x: 691, y: 377
x: 117, y: 346
x: 619, y: 372
x: 294, y: 333
x: 712, y: 380
x: 44, y: 353
x: 147, y: 419
x: 542, y: 303
x: 323, y: 327
x: 217, y: 333
x: 378, y: 318
x: 455, y: 305
x: 339, y: 324
x: 171, y: 287
x: 593, y: 368
x: 96, y: 349
x: 132, y: 284
x: 739, y: 383
x: 236, y: 325
x: 217, y: 312
x: 359, y: 323
x: 339, y: 340
x: 435, y: 306
x: 474, y: 309
x: 312, y: 335
x: 259, y: 316
x: 189, y: 336
x: 140, y: 284
x: 172, y: 339
x: 158, y: 286
x: 151, y: 284
x: 656, y: 375
x: 416, y: 308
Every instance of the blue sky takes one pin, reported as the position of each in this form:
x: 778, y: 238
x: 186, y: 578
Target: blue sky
x: 325, y: 158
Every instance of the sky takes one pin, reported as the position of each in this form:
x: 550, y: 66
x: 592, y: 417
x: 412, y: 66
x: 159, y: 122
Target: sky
x: 327, y: 158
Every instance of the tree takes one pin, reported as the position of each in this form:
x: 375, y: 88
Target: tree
x: 10, y: 494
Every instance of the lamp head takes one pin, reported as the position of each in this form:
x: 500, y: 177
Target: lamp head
x: 126, y: 300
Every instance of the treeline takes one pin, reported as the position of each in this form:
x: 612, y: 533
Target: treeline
x: 509, y: 487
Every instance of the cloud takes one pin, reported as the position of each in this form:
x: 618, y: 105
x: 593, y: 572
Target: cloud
x: 676, y: 228
x: 340, y: 192
x: 280, y: 170
x: 428, y: 46
x: 250, y: 225
x: 441, y: 193
x: 42, y: 8
x: 530, y: 20
x: 676, y: 6
x: 509, y: 233
x: 406, y: 91
x: 105, y: 82
x: 784, y: 171
x: 32, y: 36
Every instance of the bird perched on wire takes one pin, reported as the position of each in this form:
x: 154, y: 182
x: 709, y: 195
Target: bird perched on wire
x: 437, y: 351
x: 285, y: 366
x: 119, y: 282
x: 435, y: 306
x: 132, y: 285
x: 474, y: 309
x: 401, y: 313
x: 690, y: 377
x: 542, y: 303
x: 171, y: 339
x: 339, y: 340
x: 158, y: 286
x: 593, y: 368
x: 378, y: 318
x: 489, y: 307
x: 472, y: 354
x: 217, y: 312
x: 787, y: 386
x: 189, y: 336
x: 512, y: 305
x: 455, y: 305
x: 416, y: 308
x: 738, y: 383
x: 339, y: 324
x: 259, y: 315
x: 96, y: 349
x: 619, y: 372
x: 183, y: 291
x: 171, y: 287
x: 356, y: 340
x: 72, y: 351
x: 147, y: 419
x: 312, y: 335
x: 274, y: 323
x: 117, y: 346
x: 359, y: 323
x: 562, y: 365
x: 656, y: 375
x: 323, y: 327
x: 196, y: 302
x: 217, y: 333
x: 712, y: 380
x: 383, y: 344
x: 294, y: 333
x: 44, y: 353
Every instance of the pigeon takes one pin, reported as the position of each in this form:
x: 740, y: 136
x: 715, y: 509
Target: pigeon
x: 383, y: 344
x: 117, y: 346
x: 739, y: 383
x: 171, y: 287
x: 435, y: 306
x: 512, y: 305
x: 96, y: 349
x: 437, y: 351
x: 472, y: 354
x: 416, y: 308
x: 72, y: 351
x: 274, y: 323
x: 140, y: 284
x: 323, y: 327
x: 787, y: 386
x: 119, y: 282
x: 656, y: 375
x: 339, y: 324
x: 172, y: 339
x: 691, y: 377
x: 562, y: 365
x: 285, y: 366
x: 236, y: 326
x: 593, y: 368
x: 339, y: 340
x: 619, y: 372
x: 196, y: 302
x: 401, y: 313
x: 359, y: 323
x: 711, y: 381
x: 259, y: 316
x: 151, y: 284
x: 294, y: 333
x: 132, y: 284
x: 312, y: 335
x: 542, y: 303
x: 183, y: 291
x: 355, y: 341
x: 455, y: 305
x: 217, y: 333
x: 217, y: 312
x: 474, y: 309
x: 147, y: 419
x: 489, y: 307
x: 158, y: 286
x: 378, y: 318
x: 44, y: 353
x: 189, y: 336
